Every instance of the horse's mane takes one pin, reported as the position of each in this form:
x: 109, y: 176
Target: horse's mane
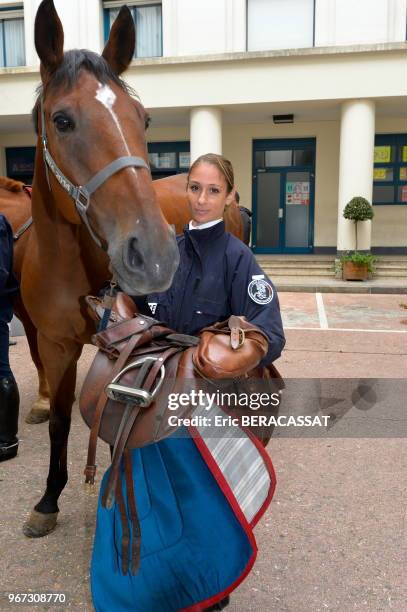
x: 10, y: 184
x: 67, y: 74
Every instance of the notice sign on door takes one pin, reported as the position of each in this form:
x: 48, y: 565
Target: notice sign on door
x: 297, y: 192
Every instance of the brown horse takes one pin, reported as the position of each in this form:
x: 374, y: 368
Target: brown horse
x: 89, y: 127
x: 86, y: 120
x: 15, y: 204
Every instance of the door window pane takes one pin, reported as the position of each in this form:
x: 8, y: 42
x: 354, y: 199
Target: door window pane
x: 402, y: 195
x: 268, y: 204
x: 279, y: 24
x: 259, y: 159
x: 278, y: 158
x: 383, y: 174
x: 383, y: 194
x: 297, y: 209
x: 303, y: 157
x: 403, y: 153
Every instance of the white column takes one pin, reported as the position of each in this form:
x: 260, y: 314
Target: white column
x: 205, y: 131
x: 355, y: 169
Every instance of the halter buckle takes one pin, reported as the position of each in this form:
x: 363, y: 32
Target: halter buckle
x: 82, y: 199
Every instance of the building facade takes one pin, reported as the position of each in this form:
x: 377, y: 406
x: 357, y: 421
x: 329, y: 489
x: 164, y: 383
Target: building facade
x: 308, y: 98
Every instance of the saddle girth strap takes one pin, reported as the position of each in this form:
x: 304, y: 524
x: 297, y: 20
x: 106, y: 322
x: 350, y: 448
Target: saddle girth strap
x: 135, y: 523
x: 125, y: 527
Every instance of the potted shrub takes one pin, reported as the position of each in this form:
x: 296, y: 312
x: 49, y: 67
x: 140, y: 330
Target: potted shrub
x: 357, y: 266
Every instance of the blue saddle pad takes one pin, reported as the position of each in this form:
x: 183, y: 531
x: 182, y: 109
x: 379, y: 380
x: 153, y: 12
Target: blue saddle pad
x: 193, y: 547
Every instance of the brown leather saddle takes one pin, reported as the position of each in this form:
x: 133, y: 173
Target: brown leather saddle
x: 124, y: 399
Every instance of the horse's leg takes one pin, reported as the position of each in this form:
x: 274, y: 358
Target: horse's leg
x: 39, y: 412
x: 60, y: 361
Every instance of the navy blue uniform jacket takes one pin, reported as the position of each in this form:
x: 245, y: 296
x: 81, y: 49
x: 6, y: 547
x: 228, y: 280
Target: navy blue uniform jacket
x: 8, y: 282
x: 218, y: 276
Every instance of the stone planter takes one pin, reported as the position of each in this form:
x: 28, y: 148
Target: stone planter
x: 352, y: 271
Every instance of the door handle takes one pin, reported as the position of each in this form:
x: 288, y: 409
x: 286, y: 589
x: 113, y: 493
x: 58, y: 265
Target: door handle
x: 280, y: 213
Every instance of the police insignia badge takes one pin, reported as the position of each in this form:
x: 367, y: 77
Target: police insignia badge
x: 153, y: 307
x: 260, y: 290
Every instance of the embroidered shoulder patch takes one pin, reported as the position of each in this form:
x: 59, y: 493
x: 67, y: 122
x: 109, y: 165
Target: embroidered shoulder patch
x: 260, y: 291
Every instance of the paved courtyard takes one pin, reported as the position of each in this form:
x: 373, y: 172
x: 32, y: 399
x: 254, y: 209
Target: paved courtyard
x: 334, y: 537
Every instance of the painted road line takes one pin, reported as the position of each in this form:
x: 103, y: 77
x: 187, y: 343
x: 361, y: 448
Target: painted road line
x: 323, y: 321
x: 350, y: 329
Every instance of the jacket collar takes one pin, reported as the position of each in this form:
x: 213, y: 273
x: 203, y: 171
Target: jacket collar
x: 198, y: 239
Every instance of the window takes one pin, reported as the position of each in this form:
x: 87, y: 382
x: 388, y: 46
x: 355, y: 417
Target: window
x: 12, y: 48
x: 390, y: 169
x: 277, y: 157
x: 147, y: 17
x: 20, y: 163
x: 168, y: 158
x: 280, y: 24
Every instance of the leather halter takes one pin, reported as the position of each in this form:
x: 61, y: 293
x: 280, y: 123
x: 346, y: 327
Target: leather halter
x: 81, y: 194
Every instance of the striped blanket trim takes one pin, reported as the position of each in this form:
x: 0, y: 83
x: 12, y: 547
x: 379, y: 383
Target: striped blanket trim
x: 239, y: 461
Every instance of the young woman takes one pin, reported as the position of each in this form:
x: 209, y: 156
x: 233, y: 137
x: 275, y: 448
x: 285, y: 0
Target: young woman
x: 9, y: 397
x: 196, y: 544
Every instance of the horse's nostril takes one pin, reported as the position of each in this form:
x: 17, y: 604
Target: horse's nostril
x: 135, y: 258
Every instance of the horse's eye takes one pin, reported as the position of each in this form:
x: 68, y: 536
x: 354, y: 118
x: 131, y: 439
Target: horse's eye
x: 63, y: 123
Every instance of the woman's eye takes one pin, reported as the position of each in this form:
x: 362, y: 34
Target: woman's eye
x: 193, y: 188
x: 63, y: 124
x: 147, y: 123
x: 214, y: 190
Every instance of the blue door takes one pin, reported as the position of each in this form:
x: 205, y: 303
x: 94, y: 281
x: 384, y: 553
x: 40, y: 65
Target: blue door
x: 283, y: 195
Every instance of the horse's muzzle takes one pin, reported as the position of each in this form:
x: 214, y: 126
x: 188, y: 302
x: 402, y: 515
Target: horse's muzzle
x: 146, y: 265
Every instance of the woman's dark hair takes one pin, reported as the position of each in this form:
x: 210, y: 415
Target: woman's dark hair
x: 223, y: 165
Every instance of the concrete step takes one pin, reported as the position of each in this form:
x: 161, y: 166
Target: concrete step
x: 312, y: 265
x: 391, y: 273
x: 390, y: 266
x: 310, y: 273
x: 331, y: 285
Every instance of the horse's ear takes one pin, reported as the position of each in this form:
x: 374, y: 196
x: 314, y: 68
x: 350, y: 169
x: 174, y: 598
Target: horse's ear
x: 119, y: 48
x: 49, y: 37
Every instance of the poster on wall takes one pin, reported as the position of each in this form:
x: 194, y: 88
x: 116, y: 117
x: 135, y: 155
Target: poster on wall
x: 380, y: 174
x: 297, y: 192
x: 382, y: 155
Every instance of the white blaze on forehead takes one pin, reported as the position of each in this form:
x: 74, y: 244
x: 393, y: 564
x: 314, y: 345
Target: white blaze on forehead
x: 106, y: 96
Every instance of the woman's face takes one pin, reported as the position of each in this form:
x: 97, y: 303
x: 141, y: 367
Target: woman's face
x: 207, y: 193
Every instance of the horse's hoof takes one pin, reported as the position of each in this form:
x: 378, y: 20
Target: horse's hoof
x: 39, y: 524
x: 39, y: 412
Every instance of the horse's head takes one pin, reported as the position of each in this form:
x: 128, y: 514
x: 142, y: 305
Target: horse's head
x: 87, y: 119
